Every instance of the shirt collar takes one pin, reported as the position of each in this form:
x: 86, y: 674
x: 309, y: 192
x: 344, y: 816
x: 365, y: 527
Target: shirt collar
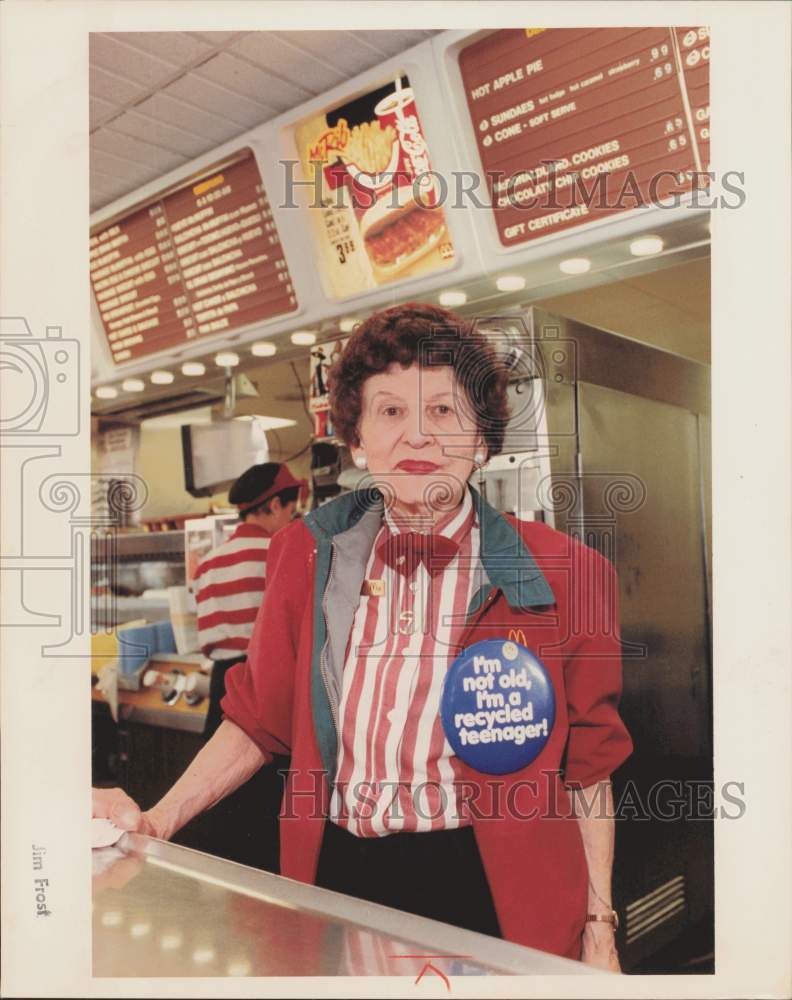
x: 507, y: 561
x: 249, y: 530
x: 454, y: 524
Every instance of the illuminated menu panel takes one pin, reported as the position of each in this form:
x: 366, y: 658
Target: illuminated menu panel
x: 694, y: 53
x: 205, y: 259
x: 573, y: 125
x: 378, y: 217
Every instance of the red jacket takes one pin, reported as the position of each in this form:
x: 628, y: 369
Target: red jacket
x: 547, y: 591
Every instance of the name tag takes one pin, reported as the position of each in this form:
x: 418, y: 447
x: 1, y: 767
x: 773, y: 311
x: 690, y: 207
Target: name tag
x: 373, y: 588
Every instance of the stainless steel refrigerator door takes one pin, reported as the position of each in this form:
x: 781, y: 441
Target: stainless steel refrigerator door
x: 644, y: 484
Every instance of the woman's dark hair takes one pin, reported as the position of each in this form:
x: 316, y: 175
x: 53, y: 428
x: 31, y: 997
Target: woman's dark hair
x: 432, y: 338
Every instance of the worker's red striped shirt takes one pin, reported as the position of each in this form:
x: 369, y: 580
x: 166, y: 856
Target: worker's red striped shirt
x: 229, y: 591
x: 396, y: 770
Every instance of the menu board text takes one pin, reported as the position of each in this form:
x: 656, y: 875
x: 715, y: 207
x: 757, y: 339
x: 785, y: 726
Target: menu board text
x: 202, y: 260
x: 576, y: 124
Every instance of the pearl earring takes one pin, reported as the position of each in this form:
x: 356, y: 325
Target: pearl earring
x: 479, y: 458
x: 360, y: 461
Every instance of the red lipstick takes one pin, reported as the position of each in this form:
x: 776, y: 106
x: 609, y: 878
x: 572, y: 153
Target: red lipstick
x: 417, y: 468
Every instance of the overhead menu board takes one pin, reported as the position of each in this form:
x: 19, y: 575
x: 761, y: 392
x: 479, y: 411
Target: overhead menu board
x: 694, y: 53
x: 202, y: 260
x: 375, y: 206
x: 573, y: 125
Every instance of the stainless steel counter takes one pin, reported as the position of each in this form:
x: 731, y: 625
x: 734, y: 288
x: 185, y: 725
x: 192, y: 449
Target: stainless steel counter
x: 164, y: 910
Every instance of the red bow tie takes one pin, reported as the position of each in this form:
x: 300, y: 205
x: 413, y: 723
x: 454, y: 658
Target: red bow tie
x: 405, y: 550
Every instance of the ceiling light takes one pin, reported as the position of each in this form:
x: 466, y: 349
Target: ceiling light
x: 204, y: 955
x: 452, y: 298
x: 161, y: 377
x: 140, y: 929
x: 303, y: 338
x: 171, y: 940
x: 268, y: 423
x: 240, y: 967
x: 510, y: 283
x: 106, y: 392
x: 226, y: 359
x: 133, y: 385
x: 575, y: 265
x: 193, y: 368
x: 646, y: 246
x: 263, y: 349
x: 347, y: 324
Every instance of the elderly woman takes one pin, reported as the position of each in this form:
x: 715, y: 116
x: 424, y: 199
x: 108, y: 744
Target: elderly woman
x: 371, y: 599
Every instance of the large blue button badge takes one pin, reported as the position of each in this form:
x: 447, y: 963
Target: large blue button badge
x: 498, y: 706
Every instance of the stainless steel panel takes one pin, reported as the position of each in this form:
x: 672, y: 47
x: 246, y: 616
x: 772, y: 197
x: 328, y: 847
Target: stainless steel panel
x: 641, y: 498
x: 574, y: 352
x: 164, y: 910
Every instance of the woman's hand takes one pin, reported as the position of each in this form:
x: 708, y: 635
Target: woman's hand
x: 114, y: 804
x: 599, y: 947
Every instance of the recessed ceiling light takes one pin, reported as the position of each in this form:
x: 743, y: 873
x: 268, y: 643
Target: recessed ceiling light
x: 452, y: 298
x: 133, y: 385
x: 203, y: 955
x: 106, y: 392
x: 171, y: 940
x: 193, y: 368
x: 263, y: 349
x: 347, y: 324
x: 646, y: 246
x: 575, y: 265
x: 140, y: 929
x: 226, y: 359
x: 303, y: 338
x: 162, y: 377
x: 510, y: 283
x: 240, y: 967
x: 268, y: 423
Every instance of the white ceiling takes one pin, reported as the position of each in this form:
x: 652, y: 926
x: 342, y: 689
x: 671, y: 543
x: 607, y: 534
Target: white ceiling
x: 160, y: 99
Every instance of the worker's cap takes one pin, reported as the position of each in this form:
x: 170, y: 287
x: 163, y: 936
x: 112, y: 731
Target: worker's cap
x: 261, y: 482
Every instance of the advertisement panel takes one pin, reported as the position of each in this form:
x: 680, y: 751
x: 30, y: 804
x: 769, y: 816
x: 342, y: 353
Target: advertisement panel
x: 374, y: 206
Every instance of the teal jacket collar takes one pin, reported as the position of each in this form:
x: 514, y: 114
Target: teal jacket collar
x: 507, y: 562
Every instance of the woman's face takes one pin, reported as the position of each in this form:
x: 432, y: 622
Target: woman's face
x: 418, y: 436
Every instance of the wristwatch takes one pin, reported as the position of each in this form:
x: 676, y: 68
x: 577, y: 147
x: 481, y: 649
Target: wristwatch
x: 605, y: 918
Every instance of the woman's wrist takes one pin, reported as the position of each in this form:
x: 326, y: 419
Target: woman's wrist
x: 158, y: 823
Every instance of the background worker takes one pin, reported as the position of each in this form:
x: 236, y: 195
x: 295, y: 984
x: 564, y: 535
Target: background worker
x: 230, y: 584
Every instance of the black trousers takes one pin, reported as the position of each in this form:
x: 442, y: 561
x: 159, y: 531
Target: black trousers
x: 437, y: 875
x: 243, y: 827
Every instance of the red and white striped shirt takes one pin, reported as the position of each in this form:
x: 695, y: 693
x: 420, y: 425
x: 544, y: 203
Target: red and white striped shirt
x: 230, y: 588
x: 396, y: 770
